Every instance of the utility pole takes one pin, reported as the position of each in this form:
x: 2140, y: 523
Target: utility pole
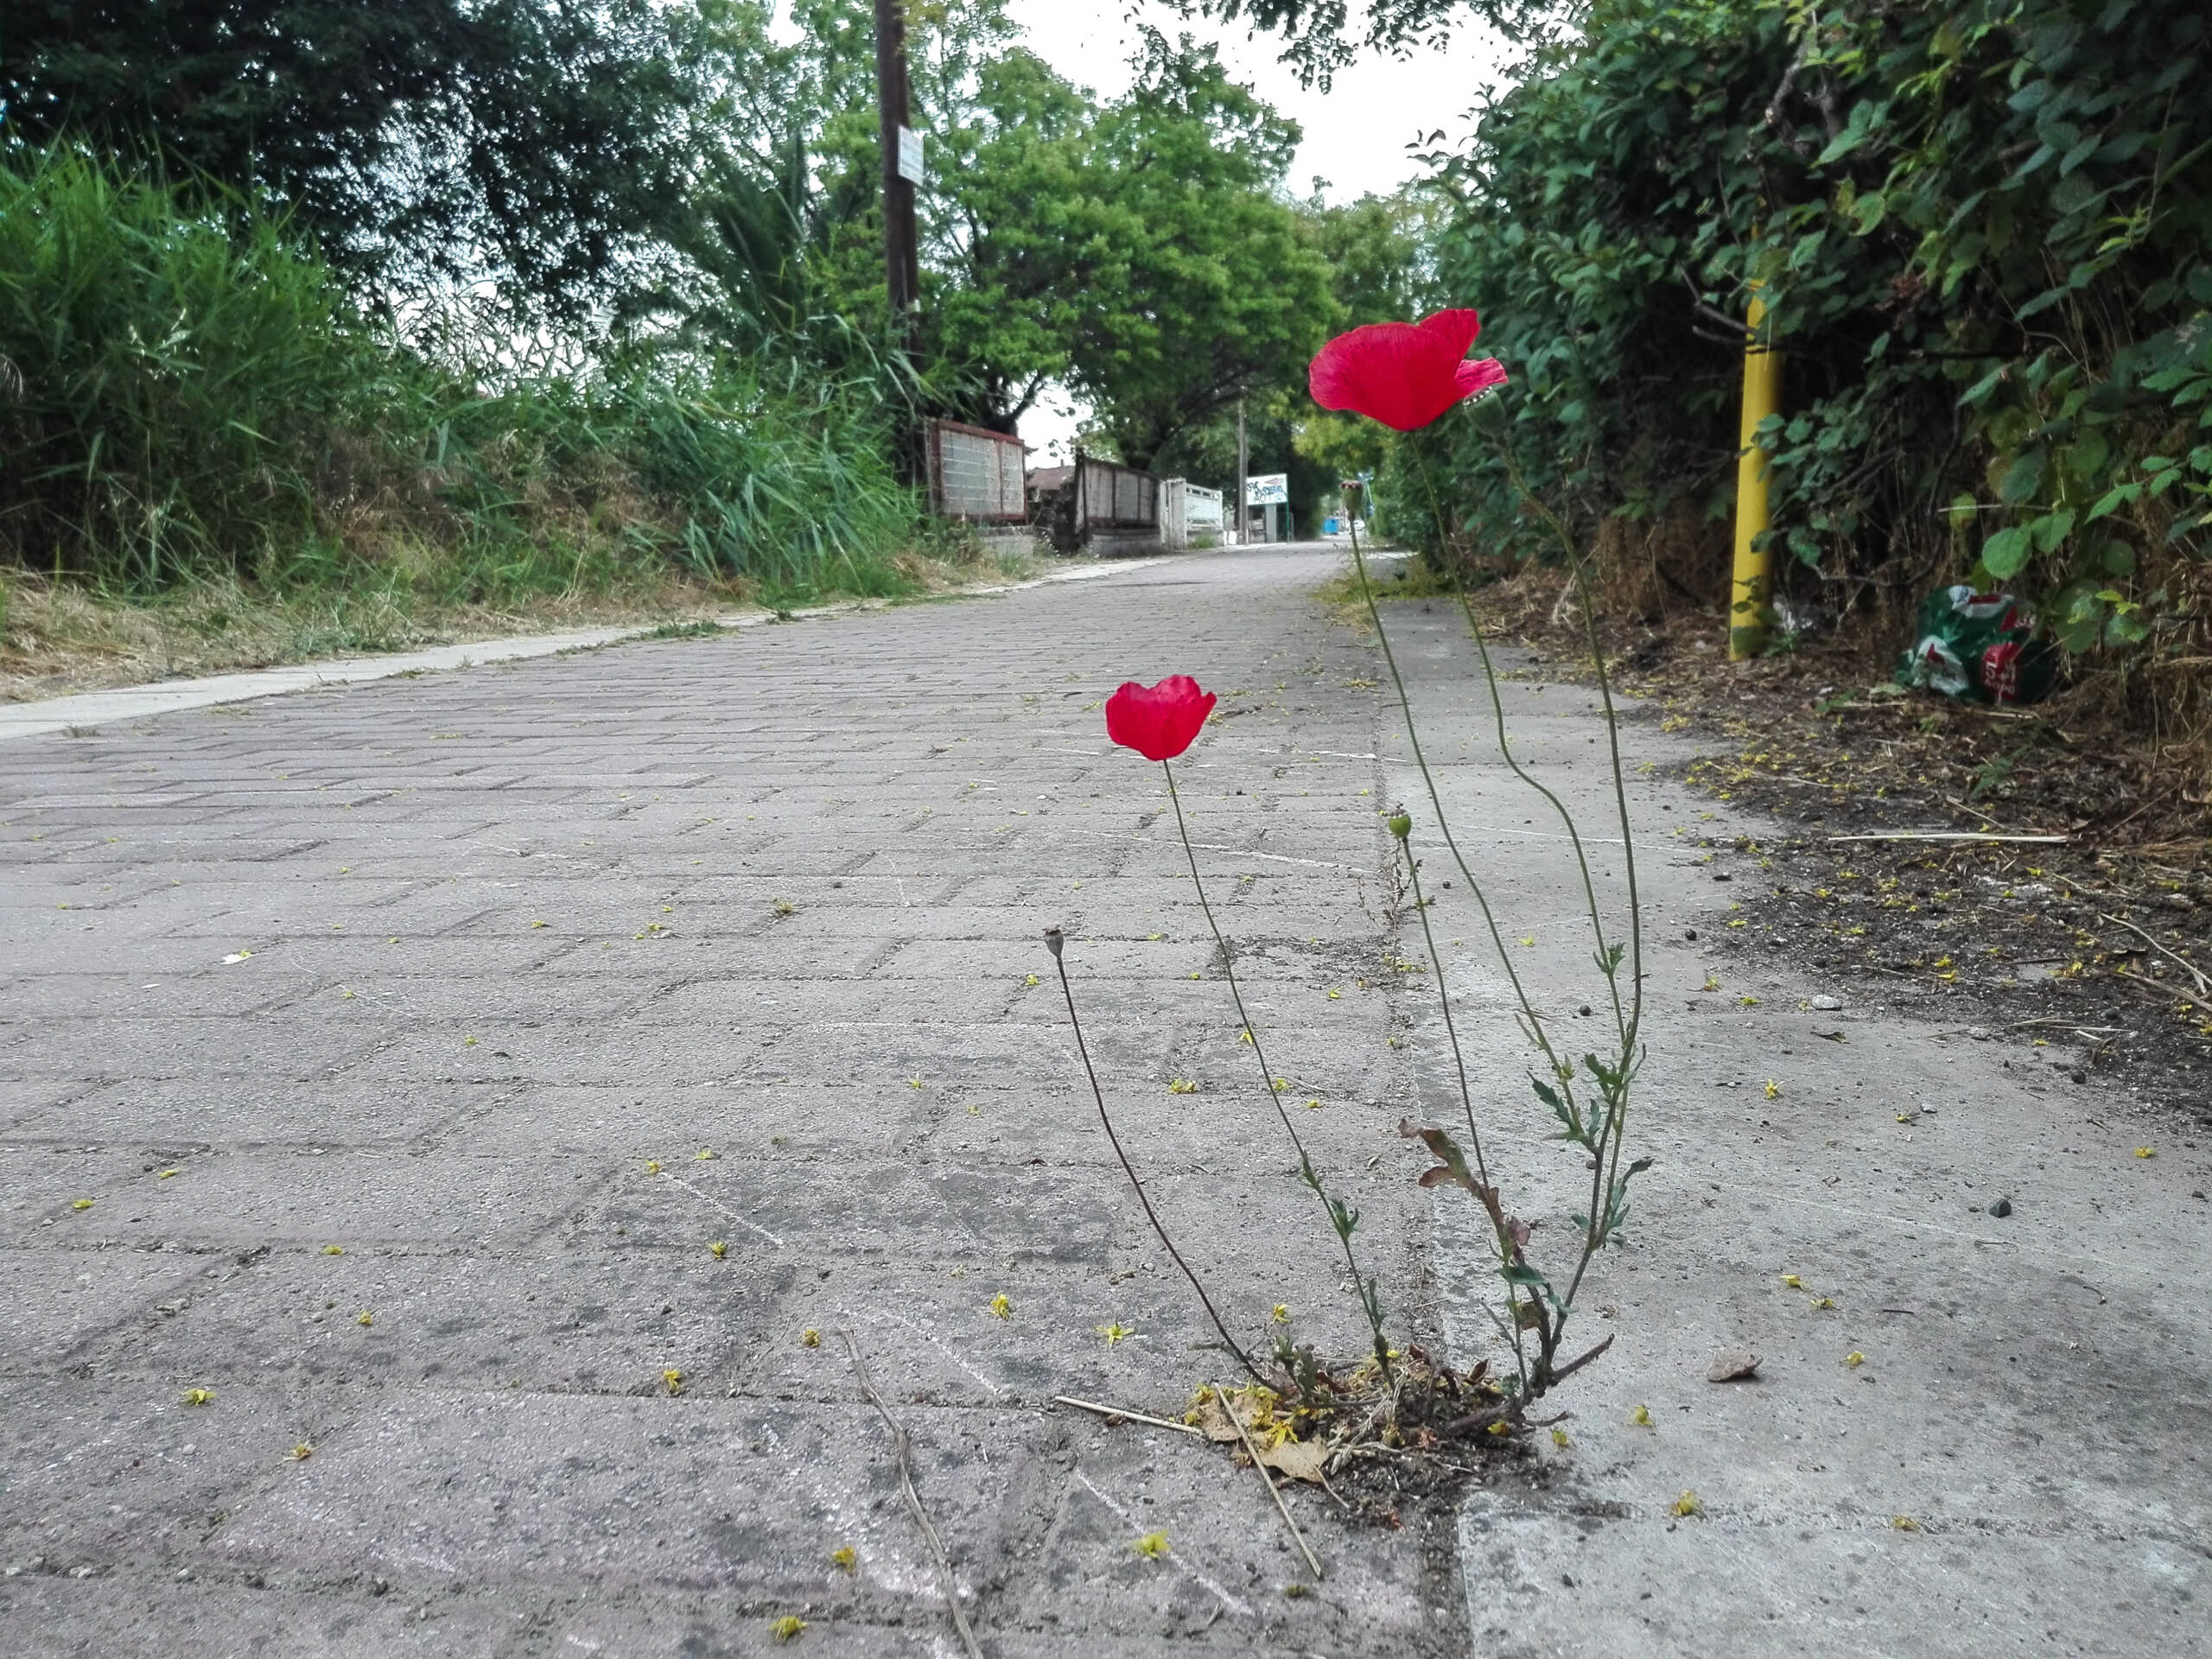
x: 902, y: 267
x: 902, y: 264
x: 1243, y: 512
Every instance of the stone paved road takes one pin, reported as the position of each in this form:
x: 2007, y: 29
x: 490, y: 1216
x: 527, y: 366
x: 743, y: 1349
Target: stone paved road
x: 342, y: 1033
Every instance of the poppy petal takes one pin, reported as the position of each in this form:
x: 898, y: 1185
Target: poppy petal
x: 1158, y: 721
x: 1403, y: 374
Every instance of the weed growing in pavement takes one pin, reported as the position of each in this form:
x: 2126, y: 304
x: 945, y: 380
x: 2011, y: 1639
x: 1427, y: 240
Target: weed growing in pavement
x: 1300, y: 1415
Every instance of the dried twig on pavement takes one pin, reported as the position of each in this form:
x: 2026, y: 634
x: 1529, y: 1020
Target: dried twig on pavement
x: 914, y: 1498
x: 1123, y: 1411
x: 1952, y: 835
x: 1274, y: 1492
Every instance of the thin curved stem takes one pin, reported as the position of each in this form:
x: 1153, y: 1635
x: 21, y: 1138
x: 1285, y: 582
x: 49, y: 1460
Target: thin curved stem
x: 1444, y: 1002
x: 1466, y: 1095
x: 1128, y: 1169
x: 1605, y: 1164
x: 1505, y: 752
x: 1342, y: 1227
x: 1443, y: 824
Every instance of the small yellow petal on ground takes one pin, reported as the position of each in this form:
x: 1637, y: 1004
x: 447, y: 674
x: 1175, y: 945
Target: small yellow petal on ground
x: 1640, y: 1418
x: 672, y: 1380
x: 1000, y: 1308
x: 787, y: 1628
x: 199, y: 1397
x: 845, y: 1556
x: 1855, y: 1359
x: 810, y: 1338
x: 718, y: 1250
x: 1151, y: 1546
x: 1689, y: 1503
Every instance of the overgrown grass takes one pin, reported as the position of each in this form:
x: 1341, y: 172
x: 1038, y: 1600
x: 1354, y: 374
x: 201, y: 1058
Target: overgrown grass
x: 197, y: 419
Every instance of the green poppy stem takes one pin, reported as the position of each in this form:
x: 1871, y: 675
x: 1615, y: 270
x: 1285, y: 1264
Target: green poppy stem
x: 1342, y: 1218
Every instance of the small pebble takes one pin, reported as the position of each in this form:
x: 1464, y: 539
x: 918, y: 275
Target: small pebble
x: 2001, y: 1209
x: 1826, y: 1004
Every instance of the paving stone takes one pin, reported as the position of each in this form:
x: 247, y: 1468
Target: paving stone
x: 498, y: 1449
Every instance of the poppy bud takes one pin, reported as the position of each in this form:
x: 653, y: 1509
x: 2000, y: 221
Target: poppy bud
x: 1053, y: 942
x: 1400, y: 825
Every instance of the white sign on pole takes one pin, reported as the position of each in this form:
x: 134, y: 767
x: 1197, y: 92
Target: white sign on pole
x: 910, y: 156
x: 1267, y: 489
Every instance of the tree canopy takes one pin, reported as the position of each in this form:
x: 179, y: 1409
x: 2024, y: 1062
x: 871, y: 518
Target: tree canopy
x: 414, y: 139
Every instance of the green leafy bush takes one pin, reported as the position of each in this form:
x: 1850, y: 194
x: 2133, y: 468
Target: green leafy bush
x: 1981, y: 230
x: 186, y: 393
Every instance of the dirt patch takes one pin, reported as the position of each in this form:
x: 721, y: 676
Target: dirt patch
x: 2037, y: 876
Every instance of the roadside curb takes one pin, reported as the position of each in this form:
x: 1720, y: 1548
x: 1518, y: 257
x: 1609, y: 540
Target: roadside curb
x: 91, y: 709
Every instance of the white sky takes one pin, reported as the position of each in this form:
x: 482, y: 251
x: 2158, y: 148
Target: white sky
x: 1356, y: 134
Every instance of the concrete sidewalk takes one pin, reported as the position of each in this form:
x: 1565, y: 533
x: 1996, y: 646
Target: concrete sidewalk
x: 411, y: 1046
x: 482, y: 1006
x: 1970, y: 1434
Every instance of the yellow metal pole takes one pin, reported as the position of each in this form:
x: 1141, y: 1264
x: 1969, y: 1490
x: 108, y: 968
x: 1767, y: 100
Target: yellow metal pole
x: 1753, y: 588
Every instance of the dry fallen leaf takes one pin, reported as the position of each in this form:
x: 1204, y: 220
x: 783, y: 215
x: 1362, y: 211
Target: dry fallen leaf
x: 1296, y: 1460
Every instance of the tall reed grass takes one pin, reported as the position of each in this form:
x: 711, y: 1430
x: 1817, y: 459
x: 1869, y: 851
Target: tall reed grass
x: 187, y: 392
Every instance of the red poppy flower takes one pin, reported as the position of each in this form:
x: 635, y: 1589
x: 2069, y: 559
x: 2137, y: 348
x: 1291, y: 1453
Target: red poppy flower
x: 1403, y: 374
x: 1158, y: 721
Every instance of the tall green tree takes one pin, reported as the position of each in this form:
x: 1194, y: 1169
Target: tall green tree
x: 1220, y: 292
x: 416, y: 140
x: 1141, y: 251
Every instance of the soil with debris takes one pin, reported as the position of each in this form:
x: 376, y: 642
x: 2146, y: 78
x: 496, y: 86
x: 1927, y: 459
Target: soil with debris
x: 2095, y: 942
